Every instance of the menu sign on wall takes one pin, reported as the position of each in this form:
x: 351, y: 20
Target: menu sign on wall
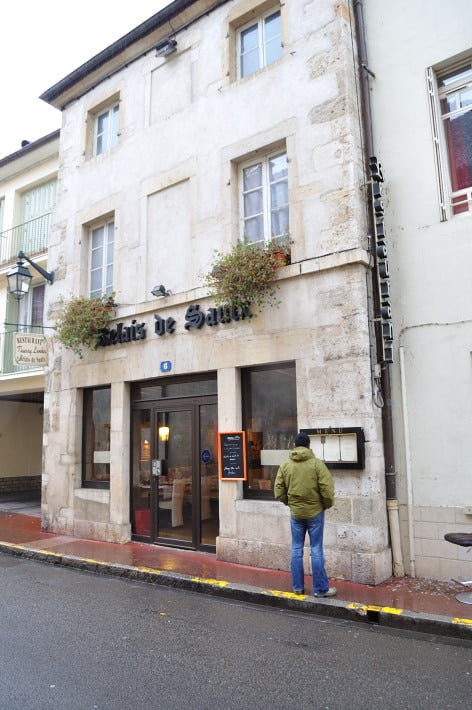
x: 31, y: 349
x: 232, y: 455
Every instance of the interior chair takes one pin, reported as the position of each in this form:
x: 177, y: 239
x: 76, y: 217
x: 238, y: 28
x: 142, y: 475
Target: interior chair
x: 176, y: 503
x: 205, y: 489
x: 464, y: 540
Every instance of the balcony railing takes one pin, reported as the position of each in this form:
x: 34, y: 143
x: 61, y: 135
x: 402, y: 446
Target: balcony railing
x: 7, y: 353
x: 30, y: 237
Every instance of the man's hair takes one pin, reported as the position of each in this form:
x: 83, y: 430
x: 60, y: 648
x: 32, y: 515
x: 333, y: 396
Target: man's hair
x: 302, y: 439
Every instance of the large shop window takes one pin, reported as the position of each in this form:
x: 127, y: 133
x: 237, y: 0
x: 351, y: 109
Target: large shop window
x: 96, y: 438
x: 270, y: 420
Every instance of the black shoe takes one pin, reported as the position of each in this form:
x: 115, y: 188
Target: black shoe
x: 299, y: 591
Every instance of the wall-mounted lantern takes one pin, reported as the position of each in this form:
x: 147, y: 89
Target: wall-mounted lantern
x: 19, y: 277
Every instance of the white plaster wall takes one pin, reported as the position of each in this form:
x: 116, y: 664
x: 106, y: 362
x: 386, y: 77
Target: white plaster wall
x: 430, y: 277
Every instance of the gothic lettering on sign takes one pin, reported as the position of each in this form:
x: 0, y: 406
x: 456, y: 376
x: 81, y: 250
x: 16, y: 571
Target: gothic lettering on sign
x: 122, y: 333
x: 223, y: 314
x: 163, y: 325
x: 194, y: 318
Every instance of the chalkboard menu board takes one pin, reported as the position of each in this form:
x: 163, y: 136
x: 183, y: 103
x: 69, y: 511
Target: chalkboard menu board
x: 232, y: 455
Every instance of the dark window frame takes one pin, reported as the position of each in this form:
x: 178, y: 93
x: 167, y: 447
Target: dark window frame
x: 248, y: 491
x: 88, y: 483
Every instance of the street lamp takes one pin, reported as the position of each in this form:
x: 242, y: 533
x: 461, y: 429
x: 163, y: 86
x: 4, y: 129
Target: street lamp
x: 19, y: 277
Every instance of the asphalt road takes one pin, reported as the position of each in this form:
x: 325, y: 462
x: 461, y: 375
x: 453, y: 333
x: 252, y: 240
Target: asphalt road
x: 75, y: 641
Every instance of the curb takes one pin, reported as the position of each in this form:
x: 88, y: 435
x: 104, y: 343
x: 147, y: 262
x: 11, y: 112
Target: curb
x: 334, y: 608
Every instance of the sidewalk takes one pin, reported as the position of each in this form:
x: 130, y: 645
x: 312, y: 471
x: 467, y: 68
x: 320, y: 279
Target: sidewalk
x: 412, y: 604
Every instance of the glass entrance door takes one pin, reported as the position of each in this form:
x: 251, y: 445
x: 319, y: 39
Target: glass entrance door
x: 173, y: 475
x: 175, y: 481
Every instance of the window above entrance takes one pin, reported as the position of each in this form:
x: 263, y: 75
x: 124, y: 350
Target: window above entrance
x: 173, y: 388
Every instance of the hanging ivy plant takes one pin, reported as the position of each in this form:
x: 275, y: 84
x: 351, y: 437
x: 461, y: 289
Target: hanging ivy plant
x: 245, y: 275
x: 81, y: 321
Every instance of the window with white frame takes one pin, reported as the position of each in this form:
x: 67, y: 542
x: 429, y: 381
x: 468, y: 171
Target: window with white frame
x: 259, y: 43
x: 264, y: 198
x: 101, y: 259
x: 106, y: 129
x: 451, y: 99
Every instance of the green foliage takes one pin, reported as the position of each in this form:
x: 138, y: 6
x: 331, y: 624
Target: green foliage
x: 245, y: 275
x: 81, y: 321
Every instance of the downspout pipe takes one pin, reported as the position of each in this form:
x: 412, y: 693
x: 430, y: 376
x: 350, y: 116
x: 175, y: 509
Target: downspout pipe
x: 387, y: 421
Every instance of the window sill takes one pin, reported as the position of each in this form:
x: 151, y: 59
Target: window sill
x: 97, y: 495
x: 266, y: 506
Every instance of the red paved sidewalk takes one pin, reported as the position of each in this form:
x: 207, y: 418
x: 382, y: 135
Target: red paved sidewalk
x: 424, y: 597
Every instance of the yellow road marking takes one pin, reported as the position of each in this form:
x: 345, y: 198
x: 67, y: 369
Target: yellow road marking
x: 218, y: 582
x: 457, y: 620
x: 285, y: 595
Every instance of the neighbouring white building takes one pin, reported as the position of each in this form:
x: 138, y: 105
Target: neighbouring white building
x: 421, y: 56
x: 28, y: 180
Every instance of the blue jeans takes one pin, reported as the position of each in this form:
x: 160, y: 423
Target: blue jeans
x: 314, y: 527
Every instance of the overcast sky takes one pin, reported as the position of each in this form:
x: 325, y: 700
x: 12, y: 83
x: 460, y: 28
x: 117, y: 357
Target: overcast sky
x: 42, y: 42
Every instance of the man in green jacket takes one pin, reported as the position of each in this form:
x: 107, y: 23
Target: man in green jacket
x: 305, y: 484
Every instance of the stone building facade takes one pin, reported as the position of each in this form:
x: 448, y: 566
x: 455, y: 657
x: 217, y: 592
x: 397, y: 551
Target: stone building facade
x: 207, y: 122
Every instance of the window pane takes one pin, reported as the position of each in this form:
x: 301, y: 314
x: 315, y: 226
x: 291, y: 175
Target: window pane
x: 463, y: 75
x: 102, y: 123
x: 459, y: 142
x: 97, y: 237
x: 270, y: 419
x: 96, y: 427
x: 279, y: 223
x: 253, y: 203
x: 252, y: 177
x: 278, y: 167
x: 114, y: 127
x: 273, y: 39
x: 96, y: 283
x: 37, y: 307
x: 249, y: 39
x: 279, y: 194
x: 249, y: 51
x: 254, y: 229
x: 97, y: 258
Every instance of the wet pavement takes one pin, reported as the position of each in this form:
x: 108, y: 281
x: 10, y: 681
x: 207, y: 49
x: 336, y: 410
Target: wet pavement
x: 414, y: 604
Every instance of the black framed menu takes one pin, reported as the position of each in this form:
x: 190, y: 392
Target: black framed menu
x: 232, y: 455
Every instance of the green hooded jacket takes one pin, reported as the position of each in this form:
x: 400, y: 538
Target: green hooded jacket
x: 304, y: 483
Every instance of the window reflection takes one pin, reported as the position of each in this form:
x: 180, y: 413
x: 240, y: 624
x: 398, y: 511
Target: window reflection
x: 270, y: 419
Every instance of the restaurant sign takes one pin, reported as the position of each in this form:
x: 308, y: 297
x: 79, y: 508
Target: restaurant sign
x: 194, y: 318
x: 30, y: 349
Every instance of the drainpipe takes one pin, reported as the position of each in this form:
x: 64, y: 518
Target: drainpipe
x: 387, y: 423
x: 406, y: 435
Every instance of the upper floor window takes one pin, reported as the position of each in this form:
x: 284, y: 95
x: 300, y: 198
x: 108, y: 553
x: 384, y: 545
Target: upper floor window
x: 31, y: 310
x: 101, y: 259
x: 455, y: 92
x: 264, y: 203
x: 259, y: 43
x: 451, y: 103
x: 106, y: 129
